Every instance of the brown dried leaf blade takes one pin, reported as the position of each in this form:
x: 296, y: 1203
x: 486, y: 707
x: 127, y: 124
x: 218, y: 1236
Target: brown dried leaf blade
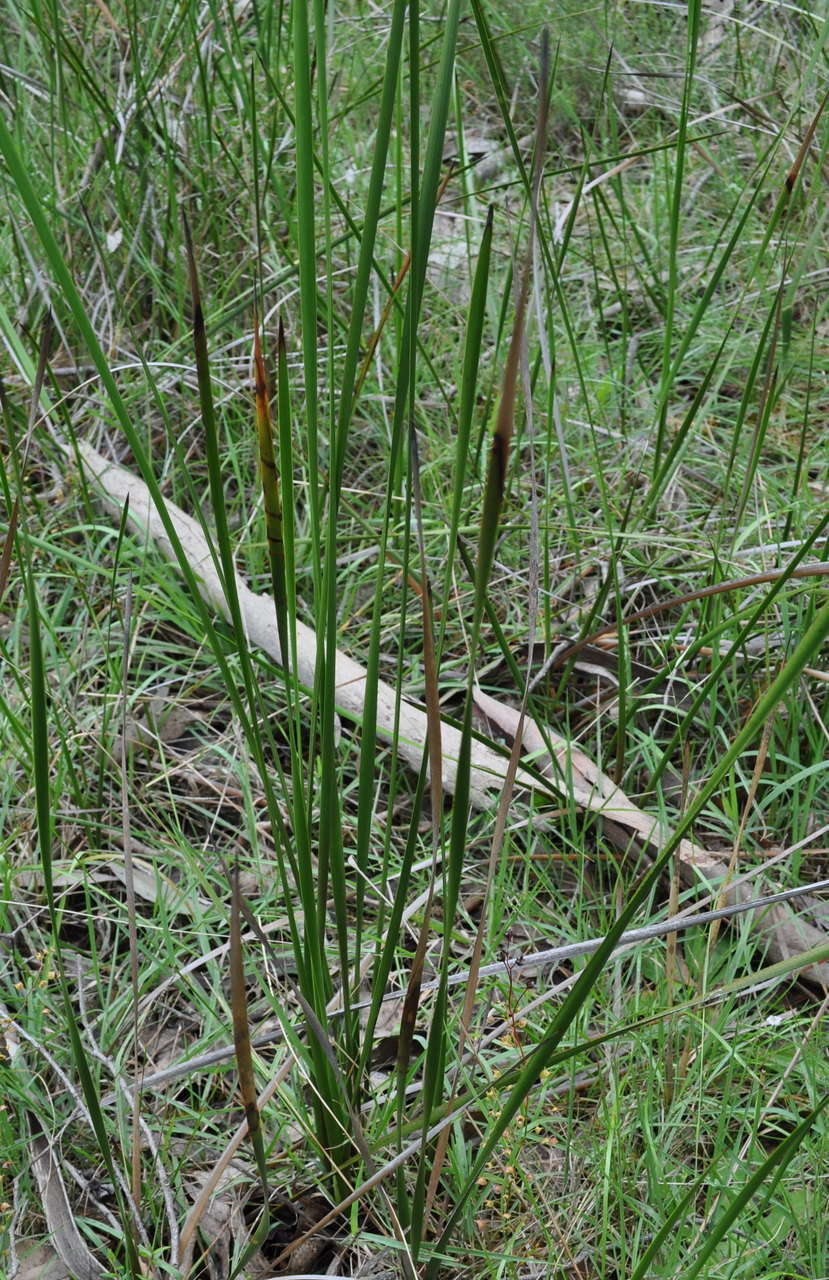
x: 60, y: 1219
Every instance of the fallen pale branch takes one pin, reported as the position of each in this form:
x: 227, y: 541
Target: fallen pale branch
x: 572, y: 775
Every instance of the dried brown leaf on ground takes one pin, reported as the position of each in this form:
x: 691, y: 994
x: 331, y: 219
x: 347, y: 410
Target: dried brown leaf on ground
x: 573, y: 775
x: 60, y: 1219
x: 38, y: 1260
x: 67, y: 1252
x: 151, y: 884
x: 223, y: 1225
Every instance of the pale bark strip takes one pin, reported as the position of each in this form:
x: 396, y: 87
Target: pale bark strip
x: 575, y: 775
x: 117, y: 484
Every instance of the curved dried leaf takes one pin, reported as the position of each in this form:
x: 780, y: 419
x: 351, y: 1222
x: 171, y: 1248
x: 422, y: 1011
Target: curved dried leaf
x: 60, y: 1219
